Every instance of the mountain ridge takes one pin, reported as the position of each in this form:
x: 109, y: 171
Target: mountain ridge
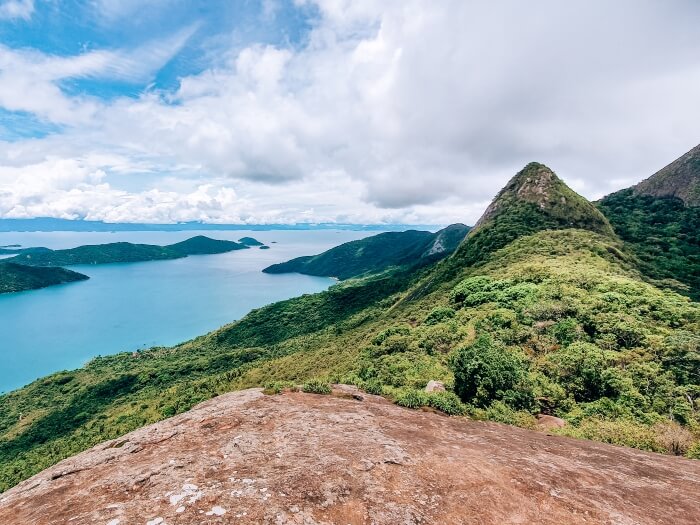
x: 680, y: 179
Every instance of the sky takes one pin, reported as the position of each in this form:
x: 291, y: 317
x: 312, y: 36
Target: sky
x: 351, y: 111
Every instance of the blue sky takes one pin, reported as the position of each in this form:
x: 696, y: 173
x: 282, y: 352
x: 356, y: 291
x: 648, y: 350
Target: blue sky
x: 282, y: 111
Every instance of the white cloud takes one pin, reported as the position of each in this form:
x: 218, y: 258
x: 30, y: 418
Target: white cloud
x: 13, y: 9
x: 397, y: 111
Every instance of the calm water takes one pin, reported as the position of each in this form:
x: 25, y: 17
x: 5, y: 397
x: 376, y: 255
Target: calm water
x: 138, y: 305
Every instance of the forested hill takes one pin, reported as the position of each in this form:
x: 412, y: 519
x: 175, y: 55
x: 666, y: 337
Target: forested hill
x: 538, y: 312
x: 120, y: 252
x: 378, y: 253
x: 19, y: 277
x: 659, y: 220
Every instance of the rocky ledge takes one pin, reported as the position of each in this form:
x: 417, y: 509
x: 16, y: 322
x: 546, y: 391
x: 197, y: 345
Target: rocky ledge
x: 300, y: 458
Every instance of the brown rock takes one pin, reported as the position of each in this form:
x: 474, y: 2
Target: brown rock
x: 306, y: 459
x: 545, y: 421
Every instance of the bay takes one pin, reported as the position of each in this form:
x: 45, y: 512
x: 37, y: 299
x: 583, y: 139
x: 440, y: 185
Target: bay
x: 125, y: 307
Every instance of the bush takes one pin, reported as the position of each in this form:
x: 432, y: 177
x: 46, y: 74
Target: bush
x: 316, y: 386
x: 412, y: 399
x: 673, y: 438
x: 385, y: 334
x: 447, y: 402
x: 374, y: 387
x: 439, y: 315
x: 486, y: 371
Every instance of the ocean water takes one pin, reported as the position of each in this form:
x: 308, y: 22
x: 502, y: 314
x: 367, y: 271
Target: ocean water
x: 125, y: 307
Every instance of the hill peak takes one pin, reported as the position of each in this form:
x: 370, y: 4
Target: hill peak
x: 680, y: 179
x: 535, y: 199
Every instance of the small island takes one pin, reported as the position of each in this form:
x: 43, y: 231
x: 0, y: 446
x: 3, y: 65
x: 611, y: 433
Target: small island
x: 19, y: 277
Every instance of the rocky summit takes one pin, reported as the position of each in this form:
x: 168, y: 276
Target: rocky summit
x: 351, y: 458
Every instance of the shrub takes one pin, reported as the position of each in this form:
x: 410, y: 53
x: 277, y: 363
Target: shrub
x: 374, y: 387
x: 486, y: 371
x: 447, y: 402
x: 385, y: 334
x: 439, y: 315
x: 673, y: 438
x: 412, y: 399
x: 499, y: 412
x: 581, y: 369
x: 316, y: 386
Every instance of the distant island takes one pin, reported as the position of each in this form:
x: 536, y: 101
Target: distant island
x: 121, y: 252
x: 19, y: 277
x: 33, y: 268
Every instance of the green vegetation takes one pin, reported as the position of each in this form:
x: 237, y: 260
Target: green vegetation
x: 316, y: 386
x: 120, y: 252
x: 249, y: 241
x: 18, y: 277
x: 663, y: 233
x: 378, y: 253
x: 556, y: 320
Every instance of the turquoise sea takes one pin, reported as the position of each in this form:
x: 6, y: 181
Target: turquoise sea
x: 124, y: 307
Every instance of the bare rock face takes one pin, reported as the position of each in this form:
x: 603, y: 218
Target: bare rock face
x: 680, y: 179
x: 309, y: 459
x: 545, y: 421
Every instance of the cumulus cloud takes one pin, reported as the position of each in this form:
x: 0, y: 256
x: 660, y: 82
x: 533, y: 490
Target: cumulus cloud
x: 397, y: 111
x: 13, y: 9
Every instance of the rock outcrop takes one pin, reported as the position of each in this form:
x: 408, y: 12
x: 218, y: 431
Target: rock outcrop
x: 310, y: 459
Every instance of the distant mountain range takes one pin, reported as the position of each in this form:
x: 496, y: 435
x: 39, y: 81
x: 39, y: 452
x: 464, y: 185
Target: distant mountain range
x: 48, y: 224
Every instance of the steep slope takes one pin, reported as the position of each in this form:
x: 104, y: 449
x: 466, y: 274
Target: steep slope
x: 18, y: 277
x: 552, y: 318
x: 302, y: 458
x: 680, y: 179
x: 659, y: 220
x: 121, y: 252
x: 378, y: 253
x: 535, y: 199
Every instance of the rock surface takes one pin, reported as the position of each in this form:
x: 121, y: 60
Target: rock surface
x: 309, y: 459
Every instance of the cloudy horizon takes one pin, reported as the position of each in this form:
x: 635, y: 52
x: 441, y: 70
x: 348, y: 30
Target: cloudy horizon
x: 282, y: 111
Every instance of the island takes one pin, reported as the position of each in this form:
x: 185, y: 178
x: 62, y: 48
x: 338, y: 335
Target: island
x: 20, y: 277
x: 121, y: 252
x: 33, y: 268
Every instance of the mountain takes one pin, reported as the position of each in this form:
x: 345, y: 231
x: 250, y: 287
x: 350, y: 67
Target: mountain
x: 378, y: 253
x: 540, y: 313
x: 535, y: 199
x: 50, y: 224
x: 680, y: 180
x: 18, y: 277
x: 120, y: 252
x: 349, y: 457
x: 659, y: 221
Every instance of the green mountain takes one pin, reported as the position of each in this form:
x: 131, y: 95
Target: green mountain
x: 537, y: 312
x: 535, y: 199
x: 121, y: 252
x: 659, y: 220
x: 378, y: 253
x: 18, y: 277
